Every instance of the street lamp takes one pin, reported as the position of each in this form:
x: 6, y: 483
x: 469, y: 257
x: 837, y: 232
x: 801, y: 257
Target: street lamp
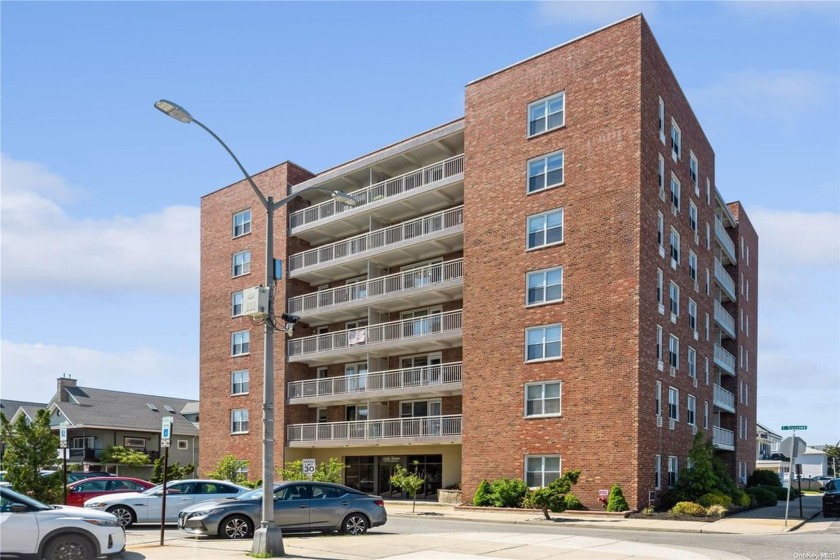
x: 268, y: 539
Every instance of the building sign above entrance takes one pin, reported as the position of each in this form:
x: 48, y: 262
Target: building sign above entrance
x: 389, y: 459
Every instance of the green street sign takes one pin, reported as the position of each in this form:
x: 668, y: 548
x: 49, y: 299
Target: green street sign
x: 794, y: 427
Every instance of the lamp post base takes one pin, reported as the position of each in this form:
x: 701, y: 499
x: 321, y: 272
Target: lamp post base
x: 268, y: 541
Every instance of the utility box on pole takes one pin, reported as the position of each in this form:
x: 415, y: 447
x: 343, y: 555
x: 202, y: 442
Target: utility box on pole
x: 255, y: 302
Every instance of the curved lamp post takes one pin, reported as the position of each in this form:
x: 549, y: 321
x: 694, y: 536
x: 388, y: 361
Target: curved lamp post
x: 268, y: 539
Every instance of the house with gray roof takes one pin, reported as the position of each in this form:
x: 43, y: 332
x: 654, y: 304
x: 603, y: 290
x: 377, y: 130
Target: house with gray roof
x: 11, y: 409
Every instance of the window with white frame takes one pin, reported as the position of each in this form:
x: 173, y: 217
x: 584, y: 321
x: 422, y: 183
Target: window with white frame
x: 241, y: 263
x: 707, y: 327
x: 661, y: 120
x: 747, y: 395
x: 708, y: 191
x: 692, y: 314
x: 708, y: 282
x: 747, y: 330
x: 674, y: 352
x: 706, y: 415
x: 660, y: 232
x: 747, y: 295
x: 658, y: 343
x: 741, y: 392
x: 239, y: 421
x: 242, y: 222
x: 657, y: 472
x: 545, y: 286
x: 542, y: 399
x: 544, y: 343
x: 675, y: 192
x: 545, y: 229
x: 747, y: 361
x: 691, y: 408
x: 708, y: 236
x: 692, y: 266
x: 673, y: 469
x: 659, y: 287
x: 692, y: 216
x: 541, y: 470
x: 676, y: 140
x: 183, y: 444
x: 659, y: 398
x: 692, y: 168
x: 87, y: 442
x: 239, y: 381
x: 661, y: 176
x: 692, y: 362
x: 545, y: 172
x: 707, y: 370
x: 240, y: 343
x: 673, y: 403
x: 547, y: 114
x: 236, y: 304
x: 674, y: 293
x: 675, y: 248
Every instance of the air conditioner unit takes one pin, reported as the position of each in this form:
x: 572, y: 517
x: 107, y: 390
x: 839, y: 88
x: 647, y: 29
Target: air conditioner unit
x: 658, y: 421
x: 673, y: 371
x: 695, y: 381
x: 255, y: 302
x: 696, y: 335
x: 660, y: 365
x: 671, y: 424
x: 693, y: 430
x: 673, y: 317
x: 673, y: 210
x: 697, y: 239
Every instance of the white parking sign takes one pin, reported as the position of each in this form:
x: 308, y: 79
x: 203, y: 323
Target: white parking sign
x: 309, y: 467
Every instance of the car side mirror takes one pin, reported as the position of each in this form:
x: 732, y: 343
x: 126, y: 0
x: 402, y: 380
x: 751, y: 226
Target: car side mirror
x: 18, y: 508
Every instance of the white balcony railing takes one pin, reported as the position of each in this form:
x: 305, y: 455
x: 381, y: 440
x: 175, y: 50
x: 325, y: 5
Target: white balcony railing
x: 724, y: 319
x: 723, y: 438
x: 364, y: 337
x: 725, y: 280
x: 725, y: 241
x: 355, y: 246
x: 380, y: 191
x: 389, y: 428
x: 426, y: 376
x: 724, y: 360
x: 393, y: 284
x: 724, y: 399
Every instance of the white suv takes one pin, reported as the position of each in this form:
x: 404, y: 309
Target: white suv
x: 29, y: 528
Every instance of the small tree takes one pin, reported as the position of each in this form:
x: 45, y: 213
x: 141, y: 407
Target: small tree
x: 616, y: 501
x: 31, y: 448
x: 124, y: 456
x: 408, y: 481
x: 553, y: 496
x: 701, y: 478
x: 229, y: 468
x: 329, y: 471
x: 483, y: 495
x: 173, y: 472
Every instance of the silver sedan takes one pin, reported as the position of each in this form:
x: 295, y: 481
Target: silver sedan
x: 298, y: 507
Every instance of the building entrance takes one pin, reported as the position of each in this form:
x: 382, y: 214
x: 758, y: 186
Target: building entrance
x: 373, y: 474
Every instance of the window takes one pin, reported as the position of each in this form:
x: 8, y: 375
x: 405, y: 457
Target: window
x: 692, y: 169
x: 241, y: 263
x: 673, y: 403
x: 675, y: 193
x: 707, y: 327
x: 542, y: 399
x: 746, y: 394
x: 692, y: 266
x: 675, y: 248
x: 692, y: 216
x: 545, y: 286
x: 661, y: 120
x: 692, y: 314
x: 658, y: 343
x: 544, y: 343
x: 659, y: 398
x: 706, y: 415
x: 659, y: 288
x: 236, y: 304
x: 660, y: 233
x: 242, y: 223
x: 135, y: 442
x: 540, y: 471
x: 546, y: 114
x: 673, y: 466
x: 657, y: 472
x: 239, y: 382
x: 691, y: 406
x: 692, y: 363
x: 661, y: 176
x: 84, y: 442
x: 183, y: 444
x: 545, y: 229
x: 240, y: 343
x: 708, y: 236
x: 545, y: 172
x: 239, y: 421
x: 708, y: 192
x: 674, y: 352
x: 708, y: 282
x: 676, y: 140
x: 707, y: 370
x: 674, y: 292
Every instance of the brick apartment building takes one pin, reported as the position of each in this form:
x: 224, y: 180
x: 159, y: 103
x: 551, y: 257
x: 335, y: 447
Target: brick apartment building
x: 552, y: 282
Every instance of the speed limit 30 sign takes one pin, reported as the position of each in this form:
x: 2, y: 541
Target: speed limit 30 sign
x: 309, y: 467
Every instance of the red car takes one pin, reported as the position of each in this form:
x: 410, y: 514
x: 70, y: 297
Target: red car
x: 81, y: 490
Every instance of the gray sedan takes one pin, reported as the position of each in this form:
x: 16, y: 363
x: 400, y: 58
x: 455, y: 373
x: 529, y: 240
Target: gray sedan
x: 298, y: 507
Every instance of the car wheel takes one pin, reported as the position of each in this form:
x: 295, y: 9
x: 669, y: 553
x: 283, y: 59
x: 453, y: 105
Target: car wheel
x: 354, y: 524
x: 68, y: 547
x: 125, y: 515
x: 235, y: 527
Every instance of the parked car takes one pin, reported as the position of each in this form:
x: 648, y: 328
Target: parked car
x: 831, y: 498
x: 298, y: 507
x: 145, y: 507
x: 31, y: 529
x: 82, y: 490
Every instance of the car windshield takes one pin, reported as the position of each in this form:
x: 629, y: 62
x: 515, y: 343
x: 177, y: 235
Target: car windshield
x: 9, y: 496
x: 254, y: 494
x: 153, y: 490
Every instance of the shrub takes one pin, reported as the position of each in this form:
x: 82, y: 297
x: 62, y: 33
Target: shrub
x: 508, y: 492
x: 648, y: 510
x: 781, y: 493
x: 483, y: 495
x: 762, y: 477
x: 229, y: 468
x: 553, y: 497
x: 715, y: 499
x: 325, y: 471
x: 716, y: 510
x: 688, y: 508
x: 740, y: 498
x: 616, y: 501
x: 762, y: 497
x: 668, y: 499
x: 573, y: 503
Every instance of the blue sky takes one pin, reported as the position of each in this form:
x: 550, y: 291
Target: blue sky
x: 100, y: 192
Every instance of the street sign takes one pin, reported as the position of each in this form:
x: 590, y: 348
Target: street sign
x: 62, y: 435
x: 309, y: 467
x: 166, y: 431
x: 794, y: 428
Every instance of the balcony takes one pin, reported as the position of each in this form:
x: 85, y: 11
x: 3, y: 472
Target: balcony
x: 724, y: 360
x: 432, y: 430
x: 411, y: 241
x: 431, y: 187
x: 725, y: 281
x: 418, y: 334
x: 724, y: 320
x: 425, y: 286
x: 723, y: 399
x: 417, y: 382
x: 725, y: 241
x: 723, y: 439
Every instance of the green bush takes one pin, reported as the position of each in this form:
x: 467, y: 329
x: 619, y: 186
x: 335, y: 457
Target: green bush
x: 781, y: 493
x: 715, y: 499
x: 762, y: 477
x: 762, y: 497
x: 483, y: 495
x: 616, y: 501
x: 508, y: 492
x: 648, y: 510
x: 740, y: 498
x: 716, y: 510
x: 688, y: 508
x: 573, y: 503
x: 553, y: 497
x: 668, y: 499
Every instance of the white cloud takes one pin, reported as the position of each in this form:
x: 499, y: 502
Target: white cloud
x: 45, y: 247
x: 30, y: 371
x: 791, y: 238
x: 780, y: 10
x: 592, y: 13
